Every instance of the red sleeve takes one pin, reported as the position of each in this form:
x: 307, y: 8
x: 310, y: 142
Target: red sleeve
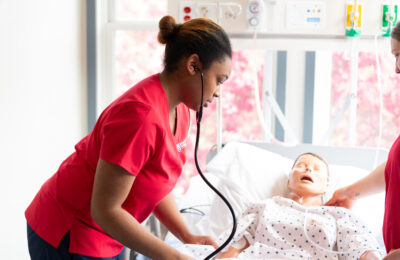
x: 129, y: 137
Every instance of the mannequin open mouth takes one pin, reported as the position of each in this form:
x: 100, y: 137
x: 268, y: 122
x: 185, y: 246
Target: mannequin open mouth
x: 307, y: 179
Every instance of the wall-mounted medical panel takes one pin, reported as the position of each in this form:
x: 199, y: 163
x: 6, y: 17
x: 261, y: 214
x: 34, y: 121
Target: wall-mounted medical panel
x: 315, y: 18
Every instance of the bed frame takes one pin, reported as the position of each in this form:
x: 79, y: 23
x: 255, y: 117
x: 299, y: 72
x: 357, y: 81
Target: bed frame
x: 362, y: 157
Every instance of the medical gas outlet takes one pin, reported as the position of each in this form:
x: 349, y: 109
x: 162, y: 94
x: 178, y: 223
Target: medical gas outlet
x: 389, y: 19
x: 353, y: 18
x: 255, y: 13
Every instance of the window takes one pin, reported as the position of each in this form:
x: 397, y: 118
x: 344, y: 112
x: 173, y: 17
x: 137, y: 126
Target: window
x: 367, y: 126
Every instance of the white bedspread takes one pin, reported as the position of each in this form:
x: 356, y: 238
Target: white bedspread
x: 275, y: 229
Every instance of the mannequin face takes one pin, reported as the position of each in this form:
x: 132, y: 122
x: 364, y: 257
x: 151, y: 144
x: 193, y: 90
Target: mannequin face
x: 213, y: 77
x: 309, y: 177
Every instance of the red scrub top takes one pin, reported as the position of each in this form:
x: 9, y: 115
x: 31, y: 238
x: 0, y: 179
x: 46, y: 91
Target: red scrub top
x: 391, y: 221
x: 134, y: 133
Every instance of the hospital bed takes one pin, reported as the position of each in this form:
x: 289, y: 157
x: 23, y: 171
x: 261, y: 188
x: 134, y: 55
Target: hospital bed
x: 247, y: 172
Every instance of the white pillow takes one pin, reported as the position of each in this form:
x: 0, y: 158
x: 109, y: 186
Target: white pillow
x: 247, y: 174
x: 254, y: 172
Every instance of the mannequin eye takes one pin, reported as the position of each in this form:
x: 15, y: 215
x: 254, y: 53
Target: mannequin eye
x: 301, y: 165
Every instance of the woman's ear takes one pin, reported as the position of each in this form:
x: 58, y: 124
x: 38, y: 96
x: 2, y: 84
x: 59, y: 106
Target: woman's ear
x: 193, y: 64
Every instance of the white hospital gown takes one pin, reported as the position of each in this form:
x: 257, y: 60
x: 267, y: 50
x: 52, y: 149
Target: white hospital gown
x: 275, y: 229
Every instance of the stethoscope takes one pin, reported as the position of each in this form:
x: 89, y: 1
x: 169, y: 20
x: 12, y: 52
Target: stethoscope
x: 199, y: 115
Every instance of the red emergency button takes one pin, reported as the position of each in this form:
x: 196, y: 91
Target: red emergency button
x: 186, y: 18
x: 187, y: 9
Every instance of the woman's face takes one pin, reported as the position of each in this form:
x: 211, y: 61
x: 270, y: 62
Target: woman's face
x: 309, y: 176
x: 395, y: 45
x: 213, y: 77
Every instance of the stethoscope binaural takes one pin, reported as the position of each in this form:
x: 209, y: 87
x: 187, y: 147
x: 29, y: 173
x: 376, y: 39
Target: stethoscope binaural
x: 199, y: 115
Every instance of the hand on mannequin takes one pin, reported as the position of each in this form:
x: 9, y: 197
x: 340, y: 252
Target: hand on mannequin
x: 394, y: 254
x: 201, y: 240
x: 372, y: 183
x: 342, y: 198
x: 370, y: 255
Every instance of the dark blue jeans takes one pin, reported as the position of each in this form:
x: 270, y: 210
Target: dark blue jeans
x: 41, y: 250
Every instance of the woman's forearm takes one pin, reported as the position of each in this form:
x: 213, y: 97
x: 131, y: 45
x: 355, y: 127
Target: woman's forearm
x: 372, y: 183
x: 123, y: 227
x: 111, y: 188
x: 167, y: 212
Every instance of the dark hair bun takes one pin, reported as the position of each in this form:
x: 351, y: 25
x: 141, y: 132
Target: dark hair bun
x: 168, y: 28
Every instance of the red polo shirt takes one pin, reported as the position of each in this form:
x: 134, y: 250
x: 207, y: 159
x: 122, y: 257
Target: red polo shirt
x: 134, y: 133
x: 391, y: 221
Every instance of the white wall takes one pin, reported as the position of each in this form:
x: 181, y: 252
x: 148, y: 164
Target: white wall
x: 42, y: 103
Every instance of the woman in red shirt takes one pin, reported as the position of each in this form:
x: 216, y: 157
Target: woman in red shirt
x: 384, y: 177
x: 127, y: 166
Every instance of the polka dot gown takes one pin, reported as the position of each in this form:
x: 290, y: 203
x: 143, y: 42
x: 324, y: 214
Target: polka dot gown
x: 275, y: 230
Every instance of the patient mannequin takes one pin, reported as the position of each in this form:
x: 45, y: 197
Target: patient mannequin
x: 334, y: 229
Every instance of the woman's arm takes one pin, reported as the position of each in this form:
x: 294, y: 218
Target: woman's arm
x: 111, y: 187
x: 372, y: 183
x: 168, y: 213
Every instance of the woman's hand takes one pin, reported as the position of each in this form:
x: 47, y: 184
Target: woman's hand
x: 370, y: 255
x: 342, y: 198
x: 370, y: 184
x: 394, y: 254
x: 230, y: 253
x: 201, y: 240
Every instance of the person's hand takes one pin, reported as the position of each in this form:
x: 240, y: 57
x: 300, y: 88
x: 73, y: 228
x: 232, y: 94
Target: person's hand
x: 342, y: 198
x: 230, y: 253
x: 201, y: 240
x: 394, y: 254
x: 370, y: 255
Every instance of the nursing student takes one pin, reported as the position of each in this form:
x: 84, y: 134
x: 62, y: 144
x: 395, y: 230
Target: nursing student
x: 385, y: 177
x: 126, y: 168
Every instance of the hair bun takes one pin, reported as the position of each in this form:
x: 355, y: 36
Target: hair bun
x: 168, y: 28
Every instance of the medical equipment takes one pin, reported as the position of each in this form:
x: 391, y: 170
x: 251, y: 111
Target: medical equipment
x: 312, y: 25
x: 353, y: 18
x: 199, y: 116
x: 255, y: 13
x: 389, y: 17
